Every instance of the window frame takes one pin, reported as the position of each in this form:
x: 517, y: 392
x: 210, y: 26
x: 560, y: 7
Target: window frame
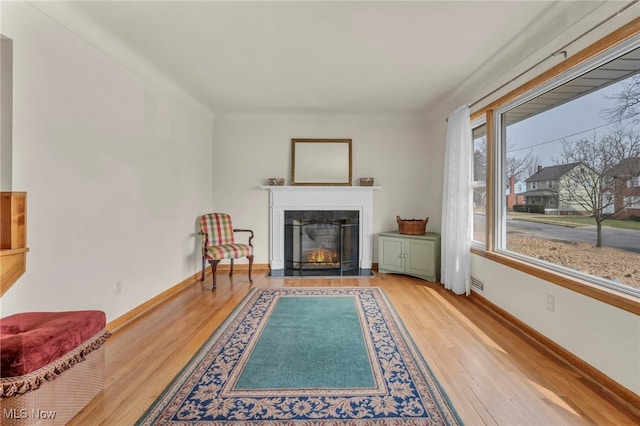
x: 479, y: 184
x: 611, y: 46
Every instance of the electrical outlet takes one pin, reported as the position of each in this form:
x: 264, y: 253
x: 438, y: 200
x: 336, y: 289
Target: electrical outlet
x: 117, y: 287
x: 551, y: 303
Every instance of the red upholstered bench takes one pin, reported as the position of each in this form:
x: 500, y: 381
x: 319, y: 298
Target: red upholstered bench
x: 51, y: 365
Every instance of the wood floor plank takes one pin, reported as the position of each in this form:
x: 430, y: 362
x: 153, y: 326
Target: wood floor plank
x: 492, y: 375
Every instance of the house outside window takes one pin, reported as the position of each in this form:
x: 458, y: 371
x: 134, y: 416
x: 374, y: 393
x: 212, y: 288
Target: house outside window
x: 625, y: 178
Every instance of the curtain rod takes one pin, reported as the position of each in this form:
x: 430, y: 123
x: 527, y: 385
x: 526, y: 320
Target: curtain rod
x: 561, y: 50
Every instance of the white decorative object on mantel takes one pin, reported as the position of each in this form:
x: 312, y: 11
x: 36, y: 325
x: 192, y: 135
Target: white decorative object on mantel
x: 284, y: 198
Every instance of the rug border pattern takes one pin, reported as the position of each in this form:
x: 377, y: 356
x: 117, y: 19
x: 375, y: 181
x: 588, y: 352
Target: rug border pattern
x: 429, y: 405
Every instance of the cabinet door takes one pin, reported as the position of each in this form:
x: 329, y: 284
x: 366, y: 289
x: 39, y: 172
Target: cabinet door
x: 420, y: 260
x: 390, y: 254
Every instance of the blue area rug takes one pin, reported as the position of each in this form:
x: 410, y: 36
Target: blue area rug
x: 306, y: 356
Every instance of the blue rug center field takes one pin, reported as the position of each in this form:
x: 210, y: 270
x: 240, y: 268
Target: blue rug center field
x: 307, y: 343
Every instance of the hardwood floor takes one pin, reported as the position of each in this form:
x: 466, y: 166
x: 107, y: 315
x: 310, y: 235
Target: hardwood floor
x: 491, y: 375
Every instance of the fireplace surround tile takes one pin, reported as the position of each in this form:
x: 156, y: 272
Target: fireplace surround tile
x: 321, y: 242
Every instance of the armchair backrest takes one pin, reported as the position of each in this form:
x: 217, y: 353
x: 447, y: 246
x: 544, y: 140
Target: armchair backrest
x: 217, y: 229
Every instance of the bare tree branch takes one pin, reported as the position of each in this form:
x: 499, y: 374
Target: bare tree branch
x: 518, y: 165
x: 598, y: 183
x: 627, y: 101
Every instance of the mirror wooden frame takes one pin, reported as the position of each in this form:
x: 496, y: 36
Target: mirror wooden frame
x: 321, y: 162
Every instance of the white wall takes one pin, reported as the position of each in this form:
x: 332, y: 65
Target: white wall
x: 6, y: 111
x: 116, y: 173
x: 606, y: 337
x: 249, y: 148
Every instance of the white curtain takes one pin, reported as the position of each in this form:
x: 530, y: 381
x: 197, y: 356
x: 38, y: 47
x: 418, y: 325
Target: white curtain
x: 456, y: 204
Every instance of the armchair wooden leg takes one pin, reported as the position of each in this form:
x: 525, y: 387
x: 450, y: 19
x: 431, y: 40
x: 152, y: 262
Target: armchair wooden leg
x: 250, y: 266
x: 231, y: 268
x: 203, y: 266
x: 214, y: 264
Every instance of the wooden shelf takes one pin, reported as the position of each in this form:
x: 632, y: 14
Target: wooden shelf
x: 13, y: 238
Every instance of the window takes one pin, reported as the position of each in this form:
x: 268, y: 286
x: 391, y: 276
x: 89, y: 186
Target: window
x: 632, y: 202
x: 479, y: 184
x: 608, y: 203
x: 574, y: 133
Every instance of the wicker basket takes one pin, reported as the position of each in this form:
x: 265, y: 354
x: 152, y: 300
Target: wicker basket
x: 412, y: 226
x: 366, y: 181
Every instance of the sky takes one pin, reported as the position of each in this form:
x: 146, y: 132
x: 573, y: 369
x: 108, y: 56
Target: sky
x: 542, y: 134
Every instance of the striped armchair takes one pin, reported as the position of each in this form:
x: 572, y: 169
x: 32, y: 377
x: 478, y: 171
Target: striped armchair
x: 218, y: 243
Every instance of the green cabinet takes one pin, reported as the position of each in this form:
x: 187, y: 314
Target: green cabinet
x: 415, y: 255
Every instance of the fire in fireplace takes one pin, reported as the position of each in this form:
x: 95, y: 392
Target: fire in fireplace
x: 321, y: 242
x: 321, y: 258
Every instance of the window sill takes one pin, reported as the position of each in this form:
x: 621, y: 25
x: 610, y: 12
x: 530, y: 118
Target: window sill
x: 610, y: 297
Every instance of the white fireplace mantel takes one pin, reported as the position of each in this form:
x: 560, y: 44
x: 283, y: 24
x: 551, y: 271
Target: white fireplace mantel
x: 284, y: 198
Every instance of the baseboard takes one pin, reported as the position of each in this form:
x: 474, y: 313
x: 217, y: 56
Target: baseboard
x: 140, y: 310
x: 623, y: 398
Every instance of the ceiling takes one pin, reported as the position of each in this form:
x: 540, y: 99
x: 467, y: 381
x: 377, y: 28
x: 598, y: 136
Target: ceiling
x: 314, y: 56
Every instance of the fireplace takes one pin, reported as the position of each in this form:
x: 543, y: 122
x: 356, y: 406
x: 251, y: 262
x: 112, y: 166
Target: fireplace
x: 321, y: 242
x: 358, y: 199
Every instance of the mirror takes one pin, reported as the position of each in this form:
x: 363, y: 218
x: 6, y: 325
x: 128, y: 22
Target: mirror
x: 321, y: 161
